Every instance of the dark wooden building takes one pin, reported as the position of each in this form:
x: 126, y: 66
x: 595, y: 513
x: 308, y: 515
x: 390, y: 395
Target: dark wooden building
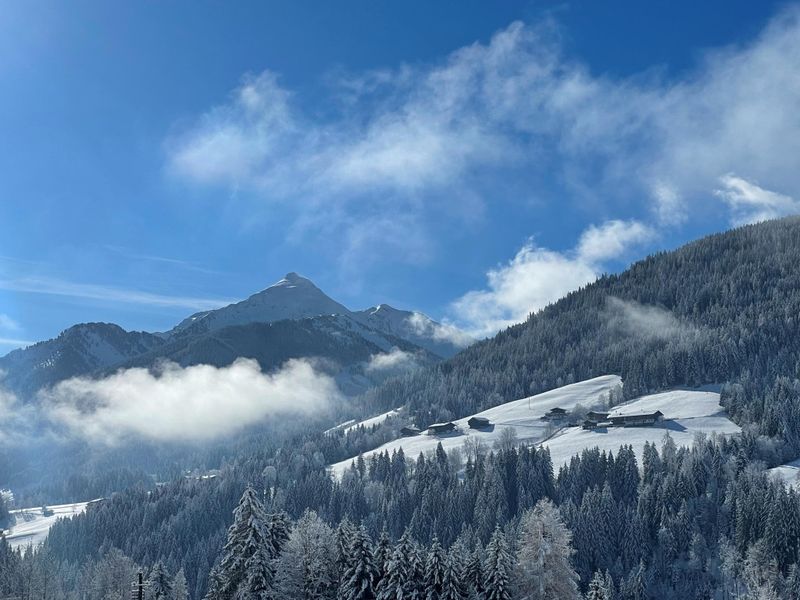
x: 555, y: 414
x: 596, y: 416
x: 409, y: 431
x: 439, y: 428
x: 637, y: 419
x: 479, y: 422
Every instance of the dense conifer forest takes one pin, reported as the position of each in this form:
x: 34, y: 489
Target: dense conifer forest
x: 705, y: 522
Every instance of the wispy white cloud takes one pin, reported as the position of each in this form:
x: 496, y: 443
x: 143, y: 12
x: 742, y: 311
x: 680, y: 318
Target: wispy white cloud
x: 395, y: 360
x: 536, y: 276
x: 647, y: 321
x: 17, y: 420
x: 8, y: 324
x: 424, y: 326
x: 164, y: 260
x: 750, y: 203
x: 193, y: 404
x: 611, y: 239
x: 413, y: 138
x: 4, y: 341
x: 58, y: 287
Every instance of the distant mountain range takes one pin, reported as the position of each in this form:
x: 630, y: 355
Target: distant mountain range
x: 291, y: 319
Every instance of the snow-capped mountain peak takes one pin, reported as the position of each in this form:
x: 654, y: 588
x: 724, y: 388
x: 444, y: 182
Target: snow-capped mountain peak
x: 292, y: 297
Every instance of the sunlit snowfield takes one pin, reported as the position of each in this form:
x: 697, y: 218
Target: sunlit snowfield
x: 686, y: 413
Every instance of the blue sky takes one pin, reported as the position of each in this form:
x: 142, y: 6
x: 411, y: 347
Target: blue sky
x: 473, y: 160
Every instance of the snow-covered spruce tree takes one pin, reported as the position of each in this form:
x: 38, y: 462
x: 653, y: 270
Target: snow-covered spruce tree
x: 397, y: 583
x: 180, y: 590
x: 159, y: 583
x: 599, y: 587
x: 345, y: 533
x: 497, y: 571
x: 383, y: 554
x: 473, y: 573
x: 358, y: 582
x: 543, y: 570
x: 306, y: 569
x: 435, y: 566
x: 254, y: 540
x: 259, y: 577
x: 454, y: 585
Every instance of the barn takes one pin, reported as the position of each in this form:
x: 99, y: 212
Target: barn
x: 637, y: 419
x: 440, y: 428
x: 479, y: 422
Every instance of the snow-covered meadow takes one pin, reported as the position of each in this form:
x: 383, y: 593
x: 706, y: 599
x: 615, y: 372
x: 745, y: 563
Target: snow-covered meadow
x: 686, y: 413
x: 32, y: 525
x: 523, y: 416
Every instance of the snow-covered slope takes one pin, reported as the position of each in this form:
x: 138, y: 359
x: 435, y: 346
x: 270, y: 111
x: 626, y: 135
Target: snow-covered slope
x: 524, y: 416
x: 788, y: 473
x: 417, y: 328
x: 685, y: 412
x: 31, y: 525
x: 376, y: 420
x: 79, y: 350
x: 293, y: 297
x: 311, y: 324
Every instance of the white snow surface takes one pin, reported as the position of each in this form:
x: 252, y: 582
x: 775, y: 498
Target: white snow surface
x: 788, y: 473
x: 524, y: 416
x: 293, y: 297
x: 686, y: 413
x: 31, y: 526
x: 374, y: 420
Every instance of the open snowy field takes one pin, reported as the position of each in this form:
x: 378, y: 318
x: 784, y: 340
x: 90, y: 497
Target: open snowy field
x: 376, y: 420
x: 789, y: 473
x: 31, y: 525
x: 524, y: 416
x: 685, y: 414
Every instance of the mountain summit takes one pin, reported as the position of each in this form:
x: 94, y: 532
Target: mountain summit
x: 293, y: 297
x: 292, y: 318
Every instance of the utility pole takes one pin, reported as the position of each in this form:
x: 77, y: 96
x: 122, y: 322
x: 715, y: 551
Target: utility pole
x: 137, y: 588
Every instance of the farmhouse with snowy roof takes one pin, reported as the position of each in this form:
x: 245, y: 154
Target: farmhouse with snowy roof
x: 440, y: 428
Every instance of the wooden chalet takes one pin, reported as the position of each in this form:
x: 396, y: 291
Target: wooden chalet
x: 637, y: 419
x: 555, y: 414
x: 440, y: 428
x: 479, y: 422
x: 596, y: 417
x: 409, y: 431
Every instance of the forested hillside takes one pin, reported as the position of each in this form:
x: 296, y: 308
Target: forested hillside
x: 675, y: 522
x: 724, y: 308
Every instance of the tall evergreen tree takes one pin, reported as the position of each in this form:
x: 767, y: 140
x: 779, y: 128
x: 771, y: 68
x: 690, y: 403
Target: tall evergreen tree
x: 159, y: 583
x: 247, y: 554
x: 179, y: 588
x: 499, y: 564
x: 435, y: 566
x: 358, y: 582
